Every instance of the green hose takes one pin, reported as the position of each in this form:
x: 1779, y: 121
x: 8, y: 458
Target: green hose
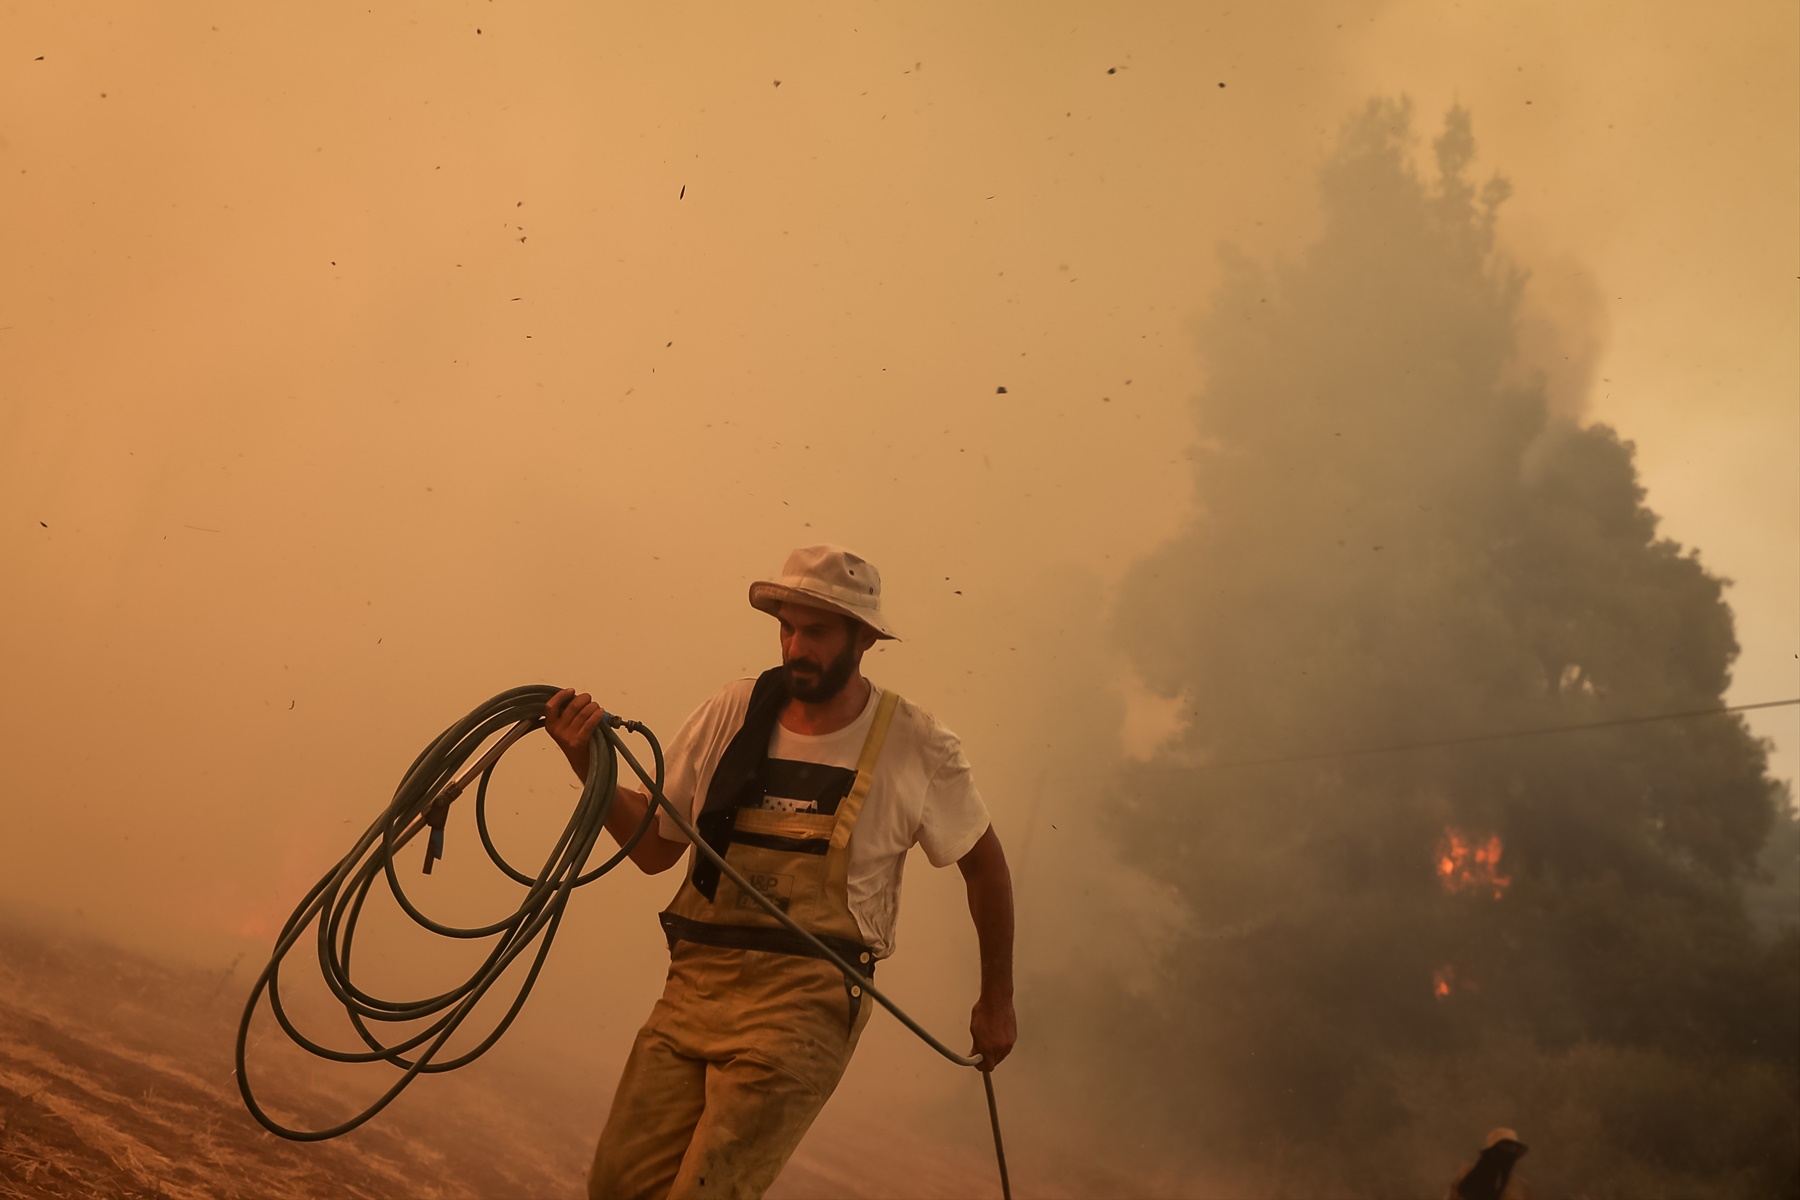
x: 425, y: 793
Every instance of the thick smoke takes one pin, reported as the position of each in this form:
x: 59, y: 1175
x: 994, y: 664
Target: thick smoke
x: 360, y: 362
x: 1383, y: 955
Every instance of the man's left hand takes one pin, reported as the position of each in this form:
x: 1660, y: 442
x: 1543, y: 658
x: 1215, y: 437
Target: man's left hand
x: 994, y: 1030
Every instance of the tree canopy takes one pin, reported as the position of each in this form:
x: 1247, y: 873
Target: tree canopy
x: 1396, y: 541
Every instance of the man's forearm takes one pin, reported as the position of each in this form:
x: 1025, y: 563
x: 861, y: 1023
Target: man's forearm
x: 578, y: 760
x: 991, y: 909
x: 992, y: 1026
x: 653, y: 853
x: 626, y: 814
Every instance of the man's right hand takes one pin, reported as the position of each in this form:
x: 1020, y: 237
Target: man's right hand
x: 570, y: 721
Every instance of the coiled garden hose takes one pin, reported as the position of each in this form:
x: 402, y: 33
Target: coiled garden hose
x: 421, y: 803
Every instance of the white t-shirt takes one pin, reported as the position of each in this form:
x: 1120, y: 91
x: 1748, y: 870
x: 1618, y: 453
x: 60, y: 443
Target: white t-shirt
x: 923, y: 793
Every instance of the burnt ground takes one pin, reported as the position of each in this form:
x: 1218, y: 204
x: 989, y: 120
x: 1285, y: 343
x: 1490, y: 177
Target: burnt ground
x: 116, y: 1080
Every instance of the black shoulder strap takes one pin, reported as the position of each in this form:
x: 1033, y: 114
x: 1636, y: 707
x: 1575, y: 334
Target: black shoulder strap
x: 740, y: 776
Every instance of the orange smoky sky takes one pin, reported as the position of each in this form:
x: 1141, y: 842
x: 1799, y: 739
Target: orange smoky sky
x: 360, y: 361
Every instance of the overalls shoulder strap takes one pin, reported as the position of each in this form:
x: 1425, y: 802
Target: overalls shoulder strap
x: 850, y: 807
x: 738, y: 777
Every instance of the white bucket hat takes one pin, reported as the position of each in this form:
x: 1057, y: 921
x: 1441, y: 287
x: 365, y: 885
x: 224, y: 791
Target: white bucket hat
x: 826, y: 577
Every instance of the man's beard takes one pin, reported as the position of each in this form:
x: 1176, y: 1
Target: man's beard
x: 822, y: 684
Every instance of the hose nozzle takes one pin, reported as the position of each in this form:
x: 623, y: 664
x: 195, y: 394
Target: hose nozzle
x: 435, y: 816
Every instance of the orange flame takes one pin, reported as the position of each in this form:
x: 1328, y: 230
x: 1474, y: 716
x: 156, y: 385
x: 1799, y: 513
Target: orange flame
x: 1445, y: 980
x: 1464, y: 865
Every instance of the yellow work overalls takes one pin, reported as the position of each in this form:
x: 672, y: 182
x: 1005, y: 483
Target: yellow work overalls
x: 752, y: 1032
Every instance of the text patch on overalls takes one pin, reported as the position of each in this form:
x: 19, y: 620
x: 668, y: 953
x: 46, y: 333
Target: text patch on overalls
x: 779, y: 888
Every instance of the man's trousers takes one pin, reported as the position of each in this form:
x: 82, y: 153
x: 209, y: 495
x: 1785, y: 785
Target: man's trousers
x: 726, y: 1076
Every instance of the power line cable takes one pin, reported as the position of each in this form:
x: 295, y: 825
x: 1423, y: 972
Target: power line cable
x: 1475, y: 738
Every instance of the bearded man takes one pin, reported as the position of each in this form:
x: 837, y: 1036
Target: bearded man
x: 814, y: 783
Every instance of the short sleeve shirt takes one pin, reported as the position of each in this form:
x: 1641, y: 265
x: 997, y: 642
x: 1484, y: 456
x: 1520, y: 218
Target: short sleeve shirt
x: 923, y: 793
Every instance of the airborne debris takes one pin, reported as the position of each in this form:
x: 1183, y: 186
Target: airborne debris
x: 683, y: 195
x: 999, y: 391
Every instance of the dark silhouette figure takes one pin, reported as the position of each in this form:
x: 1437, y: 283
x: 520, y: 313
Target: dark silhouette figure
x: 1489, y: 1177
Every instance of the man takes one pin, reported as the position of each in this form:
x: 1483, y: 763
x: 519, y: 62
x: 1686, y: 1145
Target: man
x: 814, y: 783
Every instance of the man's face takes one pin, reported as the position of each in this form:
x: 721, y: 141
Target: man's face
x: 818, y: 650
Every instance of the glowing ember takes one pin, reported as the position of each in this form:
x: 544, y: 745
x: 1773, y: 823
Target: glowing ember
x: 1465, y: 865
x: 1446, y: 980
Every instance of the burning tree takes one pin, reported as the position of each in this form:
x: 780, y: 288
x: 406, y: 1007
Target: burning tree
x: 1464, y: 865
x: 1398, y: 542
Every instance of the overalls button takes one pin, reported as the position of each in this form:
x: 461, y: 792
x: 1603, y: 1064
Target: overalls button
x: 855, y: 991
x: 865, y: 956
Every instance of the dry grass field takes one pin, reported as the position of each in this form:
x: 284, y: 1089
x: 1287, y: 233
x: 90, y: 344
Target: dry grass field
x: 116, y: 1081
